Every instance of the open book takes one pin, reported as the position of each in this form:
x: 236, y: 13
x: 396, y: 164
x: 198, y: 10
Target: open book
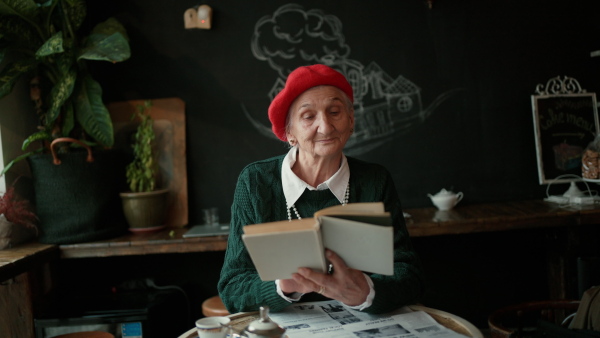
x: 360, y: 233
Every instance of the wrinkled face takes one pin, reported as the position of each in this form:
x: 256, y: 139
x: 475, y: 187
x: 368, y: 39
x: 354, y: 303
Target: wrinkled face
x: 321, y: 121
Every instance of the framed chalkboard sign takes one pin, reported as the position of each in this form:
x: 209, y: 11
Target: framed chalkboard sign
x: 565, y: 121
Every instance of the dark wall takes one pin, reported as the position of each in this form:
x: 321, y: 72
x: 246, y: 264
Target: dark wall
x: 473, y: 66
x: 474, y: 63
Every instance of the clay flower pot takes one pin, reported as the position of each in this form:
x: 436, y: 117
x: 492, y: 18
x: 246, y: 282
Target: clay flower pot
x: 145, y: 211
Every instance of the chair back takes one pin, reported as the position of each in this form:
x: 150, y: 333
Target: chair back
x: 588, y: 273
x: 521, y: 320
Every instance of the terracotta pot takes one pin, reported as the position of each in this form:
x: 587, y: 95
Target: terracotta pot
x: 145, y: 210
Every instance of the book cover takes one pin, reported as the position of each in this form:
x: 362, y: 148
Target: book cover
x: 360, y: 233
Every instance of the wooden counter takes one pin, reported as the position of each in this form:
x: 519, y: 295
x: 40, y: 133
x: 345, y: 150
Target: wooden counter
x: 500, y: 216
x: 24, y: 281
x: 422, y: 222
x: 24, y: 257
x: 158, y: 242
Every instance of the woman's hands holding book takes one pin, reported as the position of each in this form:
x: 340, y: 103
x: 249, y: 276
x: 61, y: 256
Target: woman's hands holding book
x: 345, y: 284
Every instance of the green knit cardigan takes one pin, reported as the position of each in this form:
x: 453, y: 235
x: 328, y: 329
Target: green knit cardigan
x: 259, y: 198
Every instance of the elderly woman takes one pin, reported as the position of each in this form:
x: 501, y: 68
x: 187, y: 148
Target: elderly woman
x: 314, y: 114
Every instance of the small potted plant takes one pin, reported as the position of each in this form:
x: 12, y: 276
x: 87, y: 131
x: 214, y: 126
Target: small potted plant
x: 17, y: 220
x: 145, y: 205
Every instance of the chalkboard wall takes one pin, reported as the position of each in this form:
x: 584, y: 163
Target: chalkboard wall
x: 446, y: 100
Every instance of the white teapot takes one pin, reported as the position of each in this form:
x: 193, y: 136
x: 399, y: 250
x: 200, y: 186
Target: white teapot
x: 446, y: 200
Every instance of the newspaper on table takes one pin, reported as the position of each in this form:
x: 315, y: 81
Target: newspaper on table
x: 330, y: 319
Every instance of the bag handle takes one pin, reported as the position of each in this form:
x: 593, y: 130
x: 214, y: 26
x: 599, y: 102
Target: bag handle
x: 55, y: 158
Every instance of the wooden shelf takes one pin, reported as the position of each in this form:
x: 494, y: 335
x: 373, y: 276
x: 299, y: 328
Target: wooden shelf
x: 501, y: 216
x: 169, y: 240
x: 22, y: 258
x: 464, y: 219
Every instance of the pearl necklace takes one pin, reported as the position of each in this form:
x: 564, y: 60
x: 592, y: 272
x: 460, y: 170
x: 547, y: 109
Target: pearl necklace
x: 346, y: 197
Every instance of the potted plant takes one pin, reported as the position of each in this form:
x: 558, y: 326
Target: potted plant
x: 41, y: 40
x: 17, y: 220
x: 145, y: 205
x: 45, y: 43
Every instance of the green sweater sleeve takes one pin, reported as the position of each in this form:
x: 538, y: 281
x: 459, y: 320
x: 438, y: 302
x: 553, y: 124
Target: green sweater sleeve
x: 240, y: 287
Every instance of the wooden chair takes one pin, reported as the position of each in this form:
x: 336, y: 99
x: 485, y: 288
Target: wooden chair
x: 214, y: 306
x: 521, y: 320
x: 450, y: 321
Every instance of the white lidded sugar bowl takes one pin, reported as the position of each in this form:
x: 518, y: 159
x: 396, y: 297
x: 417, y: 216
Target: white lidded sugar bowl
x: 446, y: 200
x: 264, y: 327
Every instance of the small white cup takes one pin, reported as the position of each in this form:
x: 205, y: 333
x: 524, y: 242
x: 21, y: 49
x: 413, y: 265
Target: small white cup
x: 212, y: 327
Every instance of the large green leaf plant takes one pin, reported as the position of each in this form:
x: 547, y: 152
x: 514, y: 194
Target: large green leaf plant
x: 41, y: 39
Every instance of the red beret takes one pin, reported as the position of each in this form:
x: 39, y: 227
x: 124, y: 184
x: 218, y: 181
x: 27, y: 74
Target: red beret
x: 299, y: 81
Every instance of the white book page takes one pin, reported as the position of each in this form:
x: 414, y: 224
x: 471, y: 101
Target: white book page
x: 362, y: 246
x: 278, y: 255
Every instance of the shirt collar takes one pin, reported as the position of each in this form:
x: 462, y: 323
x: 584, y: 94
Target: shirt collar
x: 293, y: 186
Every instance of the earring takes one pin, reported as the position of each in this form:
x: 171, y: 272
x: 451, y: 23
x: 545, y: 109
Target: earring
x: 292, y: 142
x: 351, y: 130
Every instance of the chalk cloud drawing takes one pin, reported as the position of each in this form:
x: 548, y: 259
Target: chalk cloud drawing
x: 384, y: 107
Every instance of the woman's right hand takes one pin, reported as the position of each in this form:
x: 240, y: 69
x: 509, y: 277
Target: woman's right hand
x: 289, y: 286
x: 345, y: 284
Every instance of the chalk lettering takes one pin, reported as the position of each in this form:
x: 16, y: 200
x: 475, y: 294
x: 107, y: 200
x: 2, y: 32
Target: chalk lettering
x: 581, y: 122
x: 571, y: 104
x: 553, y: 119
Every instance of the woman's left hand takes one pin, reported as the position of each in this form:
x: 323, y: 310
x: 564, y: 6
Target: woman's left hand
x: 345, y: 284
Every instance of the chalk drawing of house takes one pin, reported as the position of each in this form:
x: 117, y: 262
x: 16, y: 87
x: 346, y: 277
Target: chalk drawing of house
x: 384, y: 107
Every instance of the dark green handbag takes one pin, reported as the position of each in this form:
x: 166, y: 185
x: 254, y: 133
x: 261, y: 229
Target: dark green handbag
x: 77, y: 194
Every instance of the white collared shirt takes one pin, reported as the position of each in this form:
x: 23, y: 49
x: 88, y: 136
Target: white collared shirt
x: 293, y: 188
